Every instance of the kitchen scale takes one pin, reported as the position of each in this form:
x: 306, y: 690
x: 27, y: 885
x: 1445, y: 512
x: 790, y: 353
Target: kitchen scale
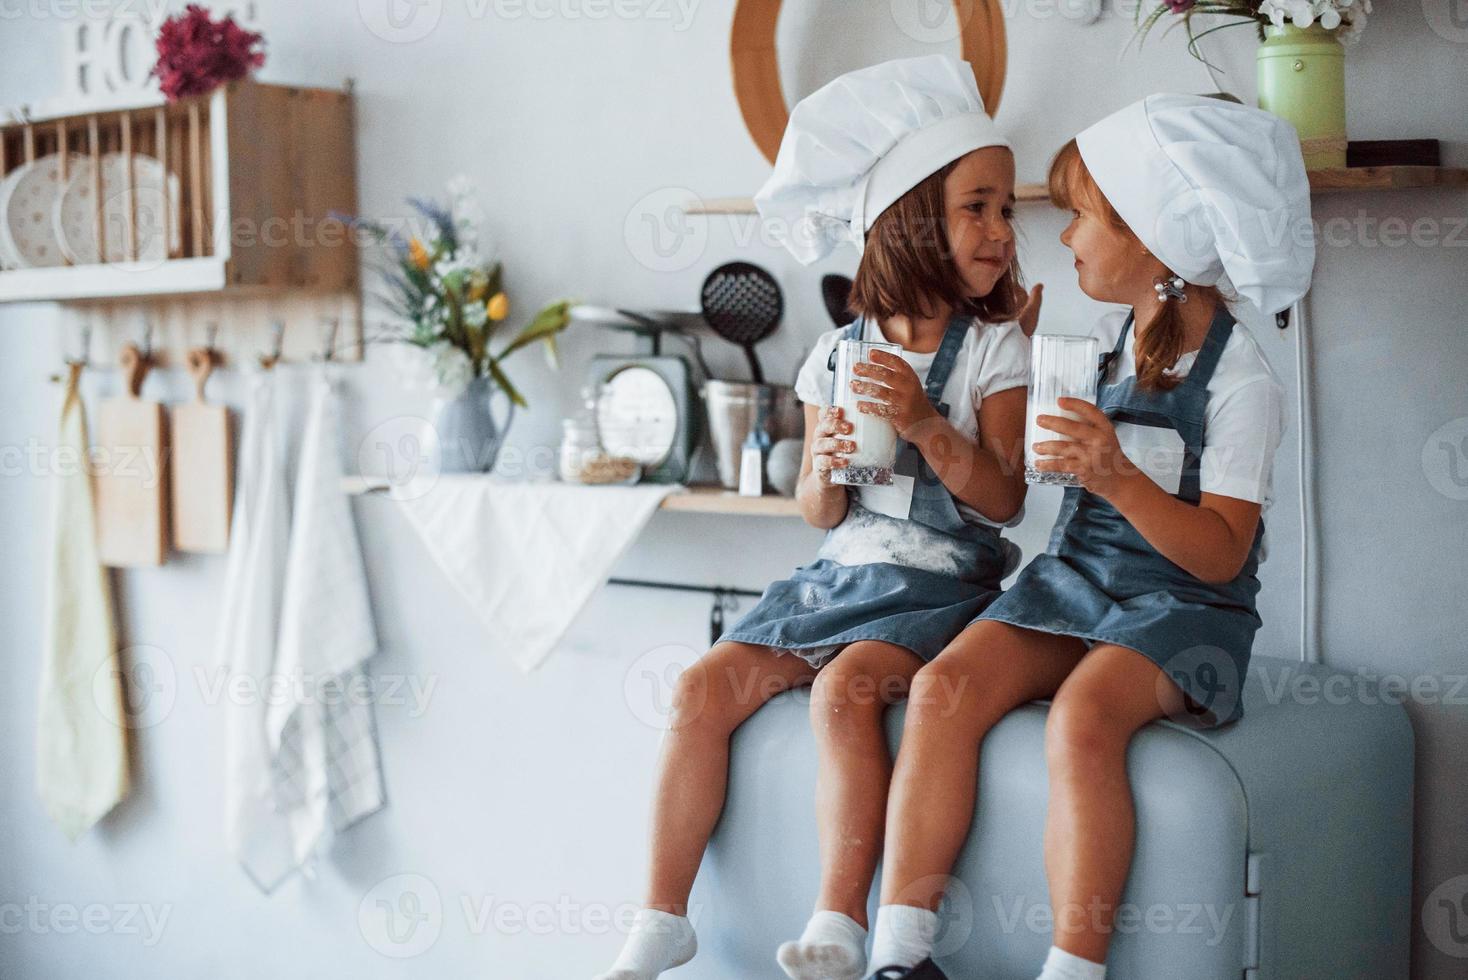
x: 645, y: 403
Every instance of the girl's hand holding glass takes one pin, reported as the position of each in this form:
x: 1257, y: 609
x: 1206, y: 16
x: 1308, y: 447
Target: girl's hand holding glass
x: 898, y: 393
x: 828, y: 448
x: 1092, y: 452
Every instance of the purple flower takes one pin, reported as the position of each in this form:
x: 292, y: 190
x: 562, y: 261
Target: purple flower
x: 1179, y: 6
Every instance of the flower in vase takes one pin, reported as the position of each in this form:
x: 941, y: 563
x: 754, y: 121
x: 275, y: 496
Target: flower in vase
x: 452, y: 368
x: 1346, y: 16
x: 498, y: 306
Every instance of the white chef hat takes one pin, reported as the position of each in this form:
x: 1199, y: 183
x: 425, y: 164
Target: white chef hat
x: 1214, y: 189
x: 858, y: 143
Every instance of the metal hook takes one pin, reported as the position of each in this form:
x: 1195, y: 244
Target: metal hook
x: 277, y: 331
x: 146, y: 347
x: 330, y: 326
x: 86, y: 338
x: 211, y: 334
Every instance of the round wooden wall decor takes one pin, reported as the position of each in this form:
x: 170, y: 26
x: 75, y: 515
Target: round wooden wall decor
x: 757, y: 70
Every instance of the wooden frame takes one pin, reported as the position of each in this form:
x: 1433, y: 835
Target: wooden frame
x: 756, y: 68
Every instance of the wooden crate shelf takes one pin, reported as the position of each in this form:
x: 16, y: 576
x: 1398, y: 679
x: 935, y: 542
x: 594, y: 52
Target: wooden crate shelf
x: 1321, y: 182
x: 260, y: 169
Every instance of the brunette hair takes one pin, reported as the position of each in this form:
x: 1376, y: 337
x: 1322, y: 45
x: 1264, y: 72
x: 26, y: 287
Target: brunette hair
x: 1159, y: 342
x: 907, y: 265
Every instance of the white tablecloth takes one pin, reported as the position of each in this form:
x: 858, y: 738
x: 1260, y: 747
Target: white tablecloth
x: 527, y: 556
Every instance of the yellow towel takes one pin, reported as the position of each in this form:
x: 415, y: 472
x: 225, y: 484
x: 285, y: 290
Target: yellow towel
x: 81, y: 741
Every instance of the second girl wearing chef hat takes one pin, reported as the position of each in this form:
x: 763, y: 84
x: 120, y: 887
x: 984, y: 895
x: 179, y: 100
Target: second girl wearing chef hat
x: 1144, y: 604
x: 900, y: 160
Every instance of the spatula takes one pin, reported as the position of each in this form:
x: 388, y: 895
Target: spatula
x: 742, y: 303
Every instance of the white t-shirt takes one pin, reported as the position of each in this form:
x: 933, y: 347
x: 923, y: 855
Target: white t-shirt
x: 994, y: 357
x: 1244, y: 421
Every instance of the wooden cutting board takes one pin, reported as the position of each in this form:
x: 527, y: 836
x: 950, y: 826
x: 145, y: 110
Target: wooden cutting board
x: 131, y: 472
x: 202, y: 477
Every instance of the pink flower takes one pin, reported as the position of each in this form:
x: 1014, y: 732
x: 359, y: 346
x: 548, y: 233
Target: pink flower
x: 196, y: 54
x: 1179, y: 6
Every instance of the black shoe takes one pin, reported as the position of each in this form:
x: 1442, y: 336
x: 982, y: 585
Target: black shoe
x: 926, y: 970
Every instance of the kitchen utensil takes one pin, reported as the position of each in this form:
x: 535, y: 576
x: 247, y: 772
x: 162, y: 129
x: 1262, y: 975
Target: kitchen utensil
x: 678, y: 323
x: 203, y: 479
x: 743, y: 304
x: 836, y: 293
x: 1060, y: 367
x: 733, y: 408
x: 875, y: 457
x: 131, y: 471
x: 644, y: 405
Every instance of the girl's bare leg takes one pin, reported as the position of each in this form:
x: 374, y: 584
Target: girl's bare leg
x: 988, y: 670
x: 712, y: 698
x: 850, y: 698
x: 851, y: 695
x: 1090, y: 828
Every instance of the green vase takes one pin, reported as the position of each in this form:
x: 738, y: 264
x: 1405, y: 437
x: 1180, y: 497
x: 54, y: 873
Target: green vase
x: 1302, y: 79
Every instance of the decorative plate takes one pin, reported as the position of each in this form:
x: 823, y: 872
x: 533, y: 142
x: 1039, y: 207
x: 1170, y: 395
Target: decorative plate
x: 74, y: 212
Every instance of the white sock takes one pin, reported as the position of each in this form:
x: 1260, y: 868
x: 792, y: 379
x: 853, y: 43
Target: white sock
x: 1060, y: 965
x: 903, y: 936
x: 658, y: 941
x: 833, y: 947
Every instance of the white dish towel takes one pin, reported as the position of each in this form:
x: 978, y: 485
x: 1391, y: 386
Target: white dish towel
x: 81, y: 737
x: 323, y: 736
x: 527, y: 556
x: 257, y: 833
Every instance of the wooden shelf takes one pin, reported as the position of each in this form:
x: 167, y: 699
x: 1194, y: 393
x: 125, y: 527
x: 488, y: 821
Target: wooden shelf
x: 717, y: 500
x: 260, y: 170
x: 115, y: 280
x: 700, y: 499
x: 1321, y: 182
x: 1386, y: 178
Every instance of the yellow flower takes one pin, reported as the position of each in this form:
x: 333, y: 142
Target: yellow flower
x: 477, y: 289
x: 417, y: 254
x: 498, y: 306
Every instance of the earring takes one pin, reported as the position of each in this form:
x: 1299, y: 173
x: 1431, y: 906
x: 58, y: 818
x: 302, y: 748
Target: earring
x: 1170, y: 287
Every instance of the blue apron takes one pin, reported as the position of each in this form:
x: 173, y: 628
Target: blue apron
x: 826, y: 604
x: 1100, y: 580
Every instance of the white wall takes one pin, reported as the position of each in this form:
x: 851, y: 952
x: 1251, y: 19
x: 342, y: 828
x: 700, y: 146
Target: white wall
x: 533, y: 791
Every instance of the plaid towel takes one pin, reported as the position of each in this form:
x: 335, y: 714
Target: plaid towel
x: 323, y: 738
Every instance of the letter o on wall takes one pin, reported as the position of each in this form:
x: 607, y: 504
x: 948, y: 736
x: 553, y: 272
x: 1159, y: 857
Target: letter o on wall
x: 757, y: 71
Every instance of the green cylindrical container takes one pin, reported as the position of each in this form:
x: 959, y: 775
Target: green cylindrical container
x: 1302, y: 78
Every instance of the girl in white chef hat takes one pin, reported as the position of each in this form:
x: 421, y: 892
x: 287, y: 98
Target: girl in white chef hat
x: 901, y: 160
x: 1144, y: 604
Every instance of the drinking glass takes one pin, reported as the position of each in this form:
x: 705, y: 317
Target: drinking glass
x: 1060, y: 367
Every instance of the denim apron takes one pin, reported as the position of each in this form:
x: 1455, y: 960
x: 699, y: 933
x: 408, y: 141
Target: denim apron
x: 826, y: 604
x: 1101, y: 581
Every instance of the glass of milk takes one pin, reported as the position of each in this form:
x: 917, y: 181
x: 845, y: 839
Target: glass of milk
x: 875, y: 457
x: 1060, y: 367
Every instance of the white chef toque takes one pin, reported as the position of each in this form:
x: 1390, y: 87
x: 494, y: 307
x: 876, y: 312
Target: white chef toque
x: 858, y: 143
x: 1216, y: 190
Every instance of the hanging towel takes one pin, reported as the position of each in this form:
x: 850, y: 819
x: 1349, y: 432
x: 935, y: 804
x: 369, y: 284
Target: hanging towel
x: 323, y: 736
x: 81, y: 740
x: 258, y: 834
x: 528, y: 556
